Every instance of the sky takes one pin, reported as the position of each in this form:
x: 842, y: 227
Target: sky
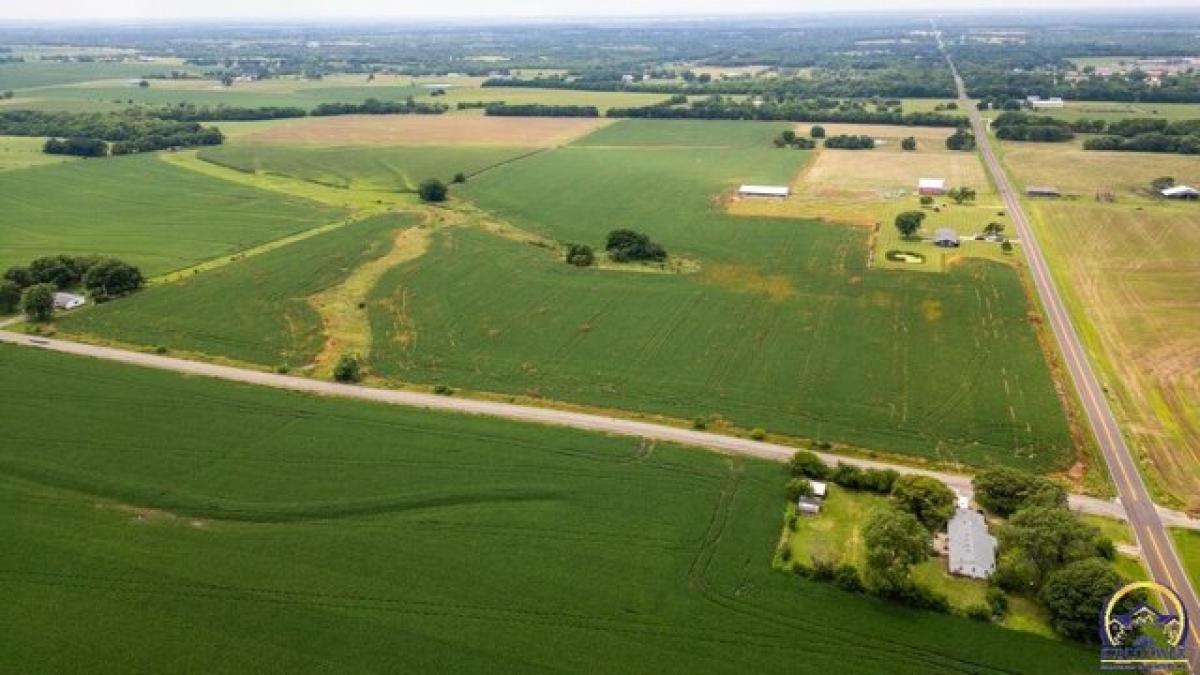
x: 490, y: 9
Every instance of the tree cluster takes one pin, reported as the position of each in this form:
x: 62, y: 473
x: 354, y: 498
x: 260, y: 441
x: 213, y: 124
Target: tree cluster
x: 98, y: 134
x: 1019, y: 126
x: 374, y: 106
x: 1149, y: 135
x: 626, y: 245
x: 789, y: 139
x: 850, y: 142
x: 103, y: 278
x: 961, y: 139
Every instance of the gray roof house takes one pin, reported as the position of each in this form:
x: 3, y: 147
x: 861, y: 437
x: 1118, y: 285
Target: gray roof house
x: 972, y: 549
x: 946, y: 238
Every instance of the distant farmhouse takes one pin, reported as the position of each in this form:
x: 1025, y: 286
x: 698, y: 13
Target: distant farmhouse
x: 931, y: 186
x: 1042, y: 191
x: 946, y: 238
x: 812, y: 505
x: 778, y: 191
x: 1181, y: 192
x: 1041, y: 103
x: 972, y: 548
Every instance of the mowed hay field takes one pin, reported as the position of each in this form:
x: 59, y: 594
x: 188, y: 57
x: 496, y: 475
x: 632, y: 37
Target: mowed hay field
x: 18, y: 152
x: 258, y: 310
x: 142, y: 210
x: 1133, y: 280
x: 371, y: 168
x: 182, y: 523
x: 783, y: 327
x: 438, y: 130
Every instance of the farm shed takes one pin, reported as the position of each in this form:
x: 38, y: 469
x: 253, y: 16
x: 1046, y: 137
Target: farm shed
x: 764, y: 191
x: 1181, y: 192
x: 946, y: 238
x: 931, y: 186
x: 1042, y: 191
x: 972, y: 548
x: 1039, y: 102
x: 812, y: 505
x: 68, y: 301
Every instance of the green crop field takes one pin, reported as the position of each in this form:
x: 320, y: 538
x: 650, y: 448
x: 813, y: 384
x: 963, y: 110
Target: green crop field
x: 18, y: 76
x: 19, y: 152
x: 114, y: 95
x: 141, y: 209
x: 179, y: 521
x: 783, y: 326
x: 256, y: 310
x: 387, y: 168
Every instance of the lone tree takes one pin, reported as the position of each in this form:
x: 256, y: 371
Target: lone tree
x: 926, y: 498
x: 1075, y: 594
x: 961, y: 139
x: 1162, y: 183
x: 460, y: 177
x: 817, y: 131
x: 348, y: 369
x: 909, y: 143
x: 580, y: 255
x: 1004, y: 491
x: 993, y: 228
x: 895, y: 541
x: 909, y: 222
x: 37, y: 301
x: 432, y: 190
x: 10, y: 296
x: 788, y: 137
x: 926, y: 200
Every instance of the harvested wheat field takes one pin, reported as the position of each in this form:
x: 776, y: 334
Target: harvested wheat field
x: 431, y: 130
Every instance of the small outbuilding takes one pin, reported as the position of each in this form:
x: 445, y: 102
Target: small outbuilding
x: 931, y: 186
x: 1181, y: 192
x: 972, y: 548
x: 778, y: 191
x: 811, y: 505
x: 946, y: 238
x: 1042, y: 191
x: 68, y: 301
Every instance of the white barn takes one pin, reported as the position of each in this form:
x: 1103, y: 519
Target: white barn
x: 972, y: 548
x: 931, y: 186
x: 764, y: 191
x: 1181, y: 192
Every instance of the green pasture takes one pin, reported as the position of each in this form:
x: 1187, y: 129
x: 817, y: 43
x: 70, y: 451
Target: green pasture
x: 18, y: 76
x: 531, y: 95
x: 140, y: 209
x: 182, y: 524
x: 240, y: 94
x: 1187, y: 545
x: 648, y: 135
x: 20, y: 152
x: 1116, y: 110
x: 254, y: 311
x: 384, y: 168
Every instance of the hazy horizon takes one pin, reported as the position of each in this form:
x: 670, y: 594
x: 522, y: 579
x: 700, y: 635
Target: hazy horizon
x: 352, y: 10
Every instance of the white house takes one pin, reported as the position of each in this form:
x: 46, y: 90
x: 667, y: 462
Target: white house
x: 68, y: 301
x: 1181, y: 192
x: 972, y: 549
x: 931, y: 186
x: 764, y: 191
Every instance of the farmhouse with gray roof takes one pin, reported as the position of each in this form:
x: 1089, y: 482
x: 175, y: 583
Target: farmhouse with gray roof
x: 972, y: 549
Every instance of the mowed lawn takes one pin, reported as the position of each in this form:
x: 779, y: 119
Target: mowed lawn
x: 185, y: 524
x: 372, y: 168
x: 256, y: 310
x: 142, y: 210
x: 783, y: 327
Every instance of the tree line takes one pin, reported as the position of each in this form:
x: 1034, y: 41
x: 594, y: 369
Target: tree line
x: 1149, y: 135
x: 729, y: 109
x: 99, y: 134
x: 537, y: 110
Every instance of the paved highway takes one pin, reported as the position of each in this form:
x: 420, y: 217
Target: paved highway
x: 1158, y: 552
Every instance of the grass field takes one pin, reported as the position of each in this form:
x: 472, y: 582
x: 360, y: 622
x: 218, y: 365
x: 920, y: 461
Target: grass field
x: 19, y: 76
x: 140, y: 209
x: 526, y: 95
x: 1133, y: 284
x: 19, y: 152
x: 1187, y: 545
x: 256, y: 311
x: 182, y: 524
x: 371, y: 168
x: 1115, y: 110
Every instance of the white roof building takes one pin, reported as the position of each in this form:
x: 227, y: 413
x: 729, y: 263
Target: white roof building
x: 931, y: 185
x: 1052, y: 102
x: 764, y: 191
x: 972, y: 549
x: 68, y: 301
x: 819, y: 489
x: 1181, y: 192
